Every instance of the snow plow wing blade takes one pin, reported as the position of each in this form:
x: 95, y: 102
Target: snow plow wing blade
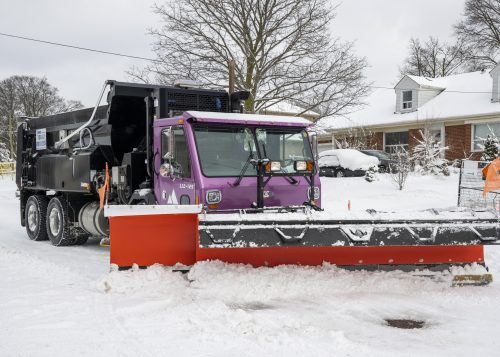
x: 376, y: 240
x: 168, y: 235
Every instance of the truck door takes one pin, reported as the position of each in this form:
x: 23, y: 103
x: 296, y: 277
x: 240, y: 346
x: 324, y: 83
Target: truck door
x: 175, y: 179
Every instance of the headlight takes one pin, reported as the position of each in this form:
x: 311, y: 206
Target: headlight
x: 300, y: 166
x: 275, y: 165
x: 307, y: 166
x: 317, y: 192
x: 272, y: 166
x: 213, y: 196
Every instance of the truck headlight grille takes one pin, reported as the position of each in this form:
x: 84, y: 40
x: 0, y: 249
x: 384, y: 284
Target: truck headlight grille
x: 213, y: 196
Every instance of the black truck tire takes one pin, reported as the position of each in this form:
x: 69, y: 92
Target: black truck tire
x: 57, y: 224
x: 80, y: 239
x: 35, y: 213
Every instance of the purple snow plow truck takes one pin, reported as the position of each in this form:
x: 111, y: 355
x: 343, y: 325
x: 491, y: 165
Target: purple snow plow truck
x: 184, y: 176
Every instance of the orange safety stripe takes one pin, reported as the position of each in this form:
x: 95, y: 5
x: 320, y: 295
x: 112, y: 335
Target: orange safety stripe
x: 104, y: 190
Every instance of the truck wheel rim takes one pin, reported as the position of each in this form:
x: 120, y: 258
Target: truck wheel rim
x: 32, y: 218
x: 54, y: 221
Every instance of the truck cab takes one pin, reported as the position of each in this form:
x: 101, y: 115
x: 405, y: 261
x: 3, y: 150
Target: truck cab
x: 215, y: 159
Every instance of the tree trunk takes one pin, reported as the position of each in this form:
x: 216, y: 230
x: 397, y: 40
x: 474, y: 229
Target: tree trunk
x: 250, y: 102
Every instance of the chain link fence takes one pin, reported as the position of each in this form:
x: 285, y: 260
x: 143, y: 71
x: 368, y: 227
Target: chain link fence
x: 471, y: 185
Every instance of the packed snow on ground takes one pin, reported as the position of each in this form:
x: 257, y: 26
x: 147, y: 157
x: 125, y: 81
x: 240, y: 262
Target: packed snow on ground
x: 419, y: 193
x: 64, y: 301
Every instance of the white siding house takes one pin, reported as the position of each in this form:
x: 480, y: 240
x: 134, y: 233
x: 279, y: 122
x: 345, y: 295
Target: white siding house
x: 459, y: 110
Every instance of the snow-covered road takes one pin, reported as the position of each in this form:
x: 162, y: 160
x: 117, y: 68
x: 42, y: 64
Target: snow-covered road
x: 64, y: 302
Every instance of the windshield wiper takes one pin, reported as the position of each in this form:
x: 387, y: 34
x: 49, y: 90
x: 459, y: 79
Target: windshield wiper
x: 245, y: 167
x: 288, y: 176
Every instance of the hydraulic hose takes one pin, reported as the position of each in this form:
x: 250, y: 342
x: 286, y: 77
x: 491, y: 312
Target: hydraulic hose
x: 77, y: 131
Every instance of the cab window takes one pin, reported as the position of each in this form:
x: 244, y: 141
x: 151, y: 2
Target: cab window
x: 174, y: 150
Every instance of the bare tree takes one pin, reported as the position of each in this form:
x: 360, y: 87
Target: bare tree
x: 29, y: 96
x: 37, y: 97
x: 9, y: 105
x: 434, y: 58
x: 357, y: 138
x: 283, y: 51
x: 400, y: 167
x: 480, y: 31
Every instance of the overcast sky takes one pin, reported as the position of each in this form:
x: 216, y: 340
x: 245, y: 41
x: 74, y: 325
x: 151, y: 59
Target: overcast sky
x: 380, y: 28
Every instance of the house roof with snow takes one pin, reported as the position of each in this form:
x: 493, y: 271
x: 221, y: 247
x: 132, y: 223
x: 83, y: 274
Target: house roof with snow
x: 455, y: 97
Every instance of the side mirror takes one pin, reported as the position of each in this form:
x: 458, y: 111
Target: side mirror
x: 169, y: 137
x: 171, y: 143
x: 314, y: 145
x: 166, y: 170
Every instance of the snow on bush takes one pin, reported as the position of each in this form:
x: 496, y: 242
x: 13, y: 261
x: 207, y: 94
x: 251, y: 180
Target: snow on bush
x: 491, y: 145
x: 427, y: 154
x: 371, y: 173
x: 348, y: 159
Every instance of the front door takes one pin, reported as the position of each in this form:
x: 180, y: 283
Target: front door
x: 175, y: 179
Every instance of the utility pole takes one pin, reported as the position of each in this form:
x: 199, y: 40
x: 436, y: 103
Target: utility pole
x: 232, y: 75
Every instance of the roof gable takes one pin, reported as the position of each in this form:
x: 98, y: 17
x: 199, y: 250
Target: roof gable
x: 421, y: 82
x: 464, y: 95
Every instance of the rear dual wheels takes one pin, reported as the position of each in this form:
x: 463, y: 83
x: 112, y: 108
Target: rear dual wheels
x: 49, y: 220
x: 35, y: 213
x: 58, y: 224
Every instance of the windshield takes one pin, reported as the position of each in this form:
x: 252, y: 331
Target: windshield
x: 379, y: 154
x: 226, y: 151
x: 284, y: 146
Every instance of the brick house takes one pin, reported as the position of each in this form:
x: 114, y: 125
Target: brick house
x: 459, y: 111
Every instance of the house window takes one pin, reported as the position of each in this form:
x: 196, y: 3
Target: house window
x: 407, y: 99
x: 396, y: 141
x: 480, y: 133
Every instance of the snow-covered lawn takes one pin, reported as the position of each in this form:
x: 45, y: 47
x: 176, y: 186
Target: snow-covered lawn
x: 64, y: 302
x: 420, y: 192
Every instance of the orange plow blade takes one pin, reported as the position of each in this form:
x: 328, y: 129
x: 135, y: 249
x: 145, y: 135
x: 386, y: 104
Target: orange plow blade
x: 170, y: 235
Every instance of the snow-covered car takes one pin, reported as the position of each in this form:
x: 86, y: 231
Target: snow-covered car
x: 386, y: 162
x: 345, y: 162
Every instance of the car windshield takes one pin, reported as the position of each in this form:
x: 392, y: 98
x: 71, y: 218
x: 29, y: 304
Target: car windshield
x: 227, y: 151
x: 379, y: 154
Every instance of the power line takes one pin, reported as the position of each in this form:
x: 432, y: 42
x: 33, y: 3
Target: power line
x: 159, y: 61
x: 79, y: 47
